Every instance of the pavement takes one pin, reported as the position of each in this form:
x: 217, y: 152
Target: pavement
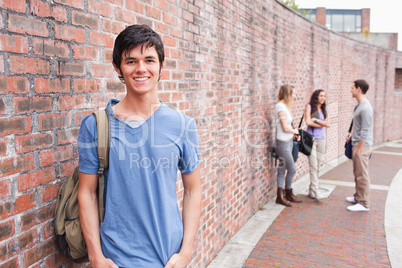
x: 324, y: 233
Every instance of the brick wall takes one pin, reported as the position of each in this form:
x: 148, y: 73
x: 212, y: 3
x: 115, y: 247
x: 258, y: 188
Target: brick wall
x: 225, y: 62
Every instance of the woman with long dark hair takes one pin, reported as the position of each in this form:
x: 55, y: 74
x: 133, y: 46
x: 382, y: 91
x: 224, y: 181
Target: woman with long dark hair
x: 285, y: 134
x: 317, y: 120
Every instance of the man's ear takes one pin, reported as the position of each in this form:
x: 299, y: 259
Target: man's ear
x: 117, y: 69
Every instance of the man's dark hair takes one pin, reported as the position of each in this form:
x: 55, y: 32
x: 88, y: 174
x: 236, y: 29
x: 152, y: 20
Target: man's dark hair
x: 134, y: 36
x: 364, y: 86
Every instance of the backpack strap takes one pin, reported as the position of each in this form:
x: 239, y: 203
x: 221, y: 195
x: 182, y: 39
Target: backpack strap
x: 103, y: 130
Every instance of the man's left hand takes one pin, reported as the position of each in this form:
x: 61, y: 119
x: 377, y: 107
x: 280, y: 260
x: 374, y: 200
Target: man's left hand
x: 177, y: 261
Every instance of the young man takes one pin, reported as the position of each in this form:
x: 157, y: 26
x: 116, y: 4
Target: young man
x: 362, y: 142
x: 149, y: 142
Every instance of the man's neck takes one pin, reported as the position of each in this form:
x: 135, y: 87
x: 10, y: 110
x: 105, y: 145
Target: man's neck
x: 140, y: 105
x: 360, y: 98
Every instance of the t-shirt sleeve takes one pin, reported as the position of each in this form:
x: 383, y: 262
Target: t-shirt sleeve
x: 366, y: 121
x: 189, y: 159
x: 280, y: 107
x: 87, y: 149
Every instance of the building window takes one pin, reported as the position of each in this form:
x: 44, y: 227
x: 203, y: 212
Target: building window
x: 309, y: 14
x: 398, y: 79
x: 340, y: 20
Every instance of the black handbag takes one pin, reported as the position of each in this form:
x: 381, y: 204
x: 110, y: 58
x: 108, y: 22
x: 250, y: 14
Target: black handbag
x: 348, y: 144
x: 306, y: 140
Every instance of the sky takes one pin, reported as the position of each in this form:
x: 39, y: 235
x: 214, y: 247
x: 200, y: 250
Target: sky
x: 385, y: 15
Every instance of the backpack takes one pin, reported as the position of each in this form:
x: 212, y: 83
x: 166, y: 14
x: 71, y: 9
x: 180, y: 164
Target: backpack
x: 66, y: 220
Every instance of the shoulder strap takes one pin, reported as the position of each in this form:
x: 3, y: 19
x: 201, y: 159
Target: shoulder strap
x: 301, y: 120
x: 351, y: 125
x: 103, y: 131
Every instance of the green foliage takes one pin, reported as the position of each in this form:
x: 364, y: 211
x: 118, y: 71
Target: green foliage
x: 292, y: 4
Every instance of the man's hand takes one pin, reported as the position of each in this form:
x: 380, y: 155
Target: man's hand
x: 177, y: 261
x: 100, y: 263
x: 348, y: 137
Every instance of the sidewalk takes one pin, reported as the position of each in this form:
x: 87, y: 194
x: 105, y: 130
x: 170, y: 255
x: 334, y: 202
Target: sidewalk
x: 323, y: 233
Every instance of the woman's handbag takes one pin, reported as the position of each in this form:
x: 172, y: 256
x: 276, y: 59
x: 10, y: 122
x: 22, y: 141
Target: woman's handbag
x: 348, y: 144
x: 306, y: 140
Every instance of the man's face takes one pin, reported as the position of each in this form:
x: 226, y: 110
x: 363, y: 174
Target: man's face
x: 140, y: 71
x: 354, y: 90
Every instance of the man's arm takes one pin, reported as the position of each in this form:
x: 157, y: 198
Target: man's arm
x: 191, y: 218
x: 89, y: 218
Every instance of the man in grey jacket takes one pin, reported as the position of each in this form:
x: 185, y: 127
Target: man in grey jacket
x: 362, y: 142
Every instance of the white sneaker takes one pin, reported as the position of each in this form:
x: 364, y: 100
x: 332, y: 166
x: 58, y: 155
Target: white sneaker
x: 318, y: 195
x: 311, y: 194
x: 351, y: 199
x: 357, y: 207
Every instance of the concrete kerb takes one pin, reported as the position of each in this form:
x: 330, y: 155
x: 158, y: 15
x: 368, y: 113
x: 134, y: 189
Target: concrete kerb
x: 393, y: 218
x: 240, y: 246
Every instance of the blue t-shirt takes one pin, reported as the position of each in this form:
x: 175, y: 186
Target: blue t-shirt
x: 143, y: 225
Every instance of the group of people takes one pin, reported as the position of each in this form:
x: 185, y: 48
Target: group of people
x: 317, y: 121
x: 143, y: 226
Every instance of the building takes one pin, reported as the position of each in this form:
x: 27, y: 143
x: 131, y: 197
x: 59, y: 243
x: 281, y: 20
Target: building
x: 354, y: 23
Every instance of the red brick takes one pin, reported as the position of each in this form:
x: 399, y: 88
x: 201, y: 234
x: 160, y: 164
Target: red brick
x: 108, y: 56
x: 12, y: 263
x: 161, y: 4
x: 57, y: 260
x: 46, y: 10
x: 23, y: 65
x: 103, y: 40
x: 88, y: 53
x: 50, y: 48
x: 7, y: 229
x: 87, y: 85
x: 14, y: 246
x: 136, y: 6
x: 79, y: 4
x: 106, y: 25
x: 115, y: 86
x: 52, y: 156
x: 71, y: 102
x: 67, y: 136
x: 40, y: 252
x: 67, y: 168
x: 124, y: 15
x: 21, y: 203
x: 23, y: 25
x: 100, y: 100
x: 13, y: 43
x: 115, y: 2
x: 51, y: 85
x: 32, y: 104
x: 5, y: 186
x: 69, y: 33
x: 101, y: 70
x: 117, y: 27
x: 71, y: 68
x: 100, y: 8
x: 81, y: 115
x: 1, y: 62
x: 33, y: 142
x: 48, y: 231
x: 161, y: 28
x: 34, y: 179
x: 13, y: 85
x: 54, y: 121
x: 153, y: 12
x: 14, y: 5
x: 3, y: 109
x: 169, y: 18
x: 85, y: 20
x: 40, y: 215
x: 48, y: 193
x: 15, y: 125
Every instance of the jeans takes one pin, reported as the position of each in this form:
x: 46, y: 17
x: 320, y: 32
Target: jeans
x: 286, y: 162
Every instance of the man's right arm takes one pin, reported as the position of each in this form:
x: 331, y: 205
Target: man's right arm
x: 89, y: 218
